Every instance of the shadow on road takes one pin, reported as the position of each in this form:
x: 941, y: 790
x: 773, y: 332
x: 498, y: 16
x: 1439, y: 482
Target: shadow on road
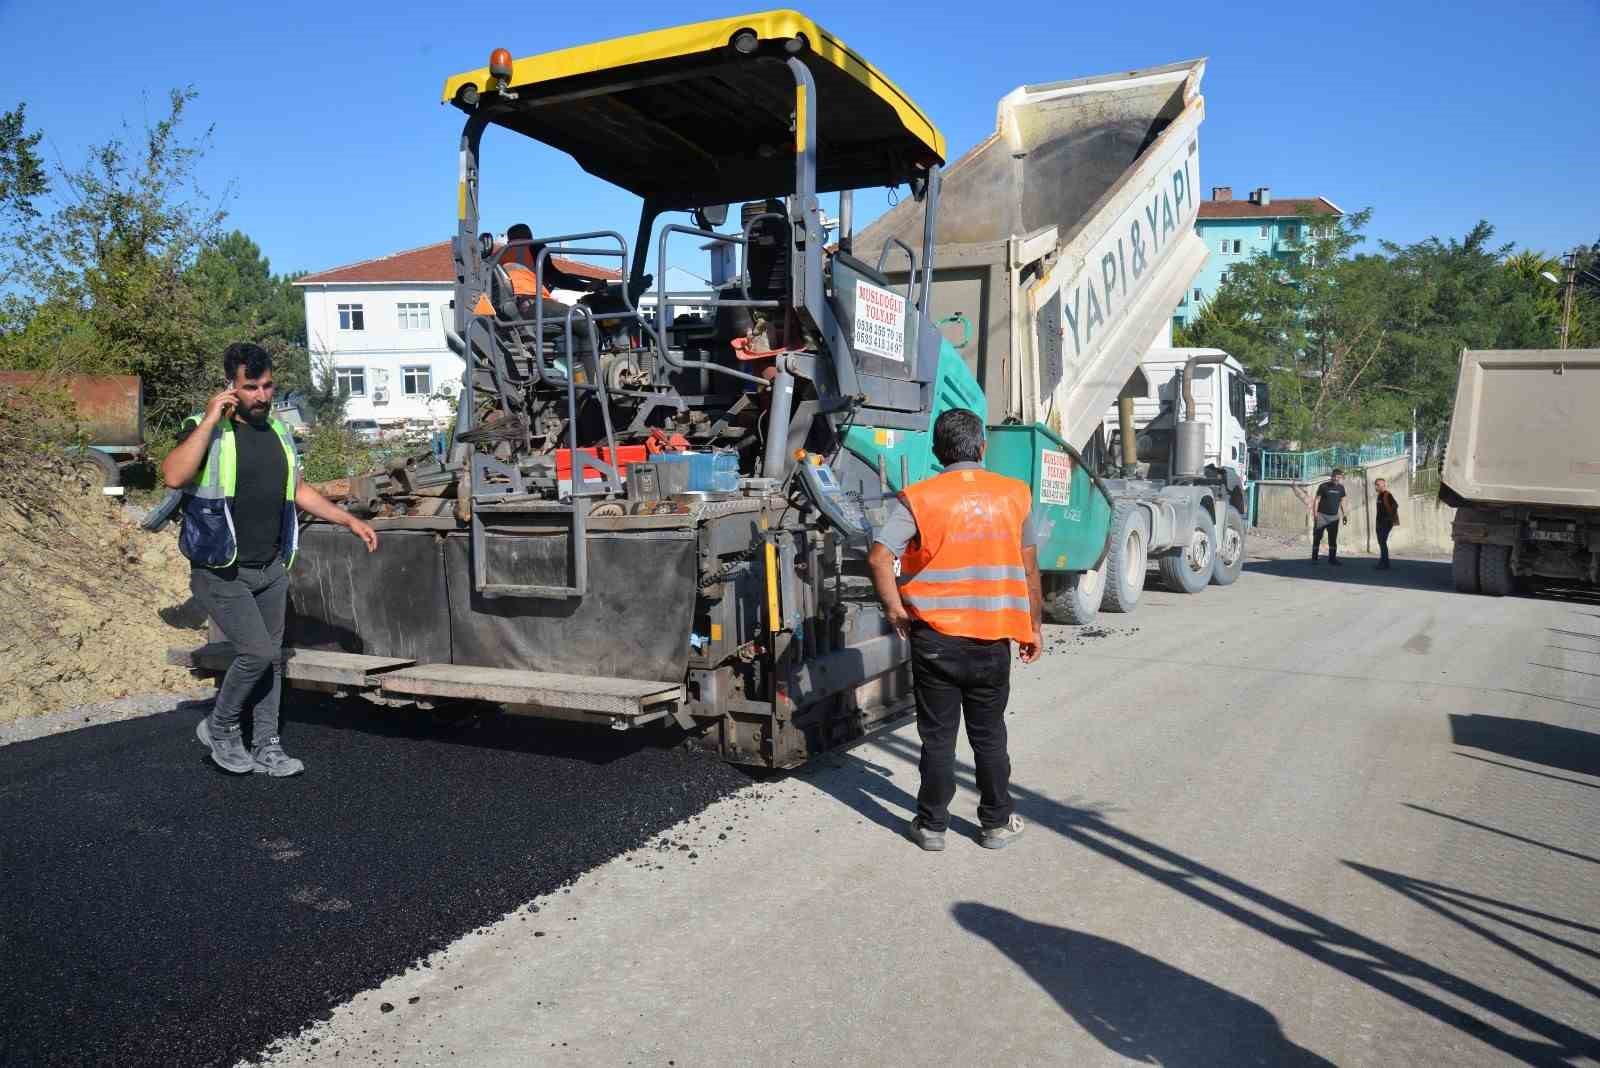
x: 1460, y: 907
x: 1133, y: 1004
x: 1528, y: 740
x: 1358, y: 571
x: 1425, y: 987
x: 1504, y: 834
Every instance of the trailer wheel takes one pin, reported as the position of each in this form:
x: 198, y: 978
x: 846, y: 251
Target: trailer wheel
x: 1189, y: 569
x: 1464, y: 566
x: 1230, y: 550
x: 1074, y: 597
x: 1494, y: 570
x: 99, y: 469
x: 1126, y: 559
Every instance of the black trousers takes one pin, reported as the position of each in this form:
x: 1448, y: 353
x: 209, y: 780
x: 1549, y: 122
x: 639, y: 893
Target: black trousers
x: 1383, y: 543
x: 1332, y: 531
x: 953, y: 676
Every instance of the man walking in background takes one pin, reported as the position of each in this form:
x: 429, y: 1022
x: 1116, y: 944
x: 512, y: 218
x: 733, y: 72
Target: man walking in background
x: 1327, y: 512
x: 1387, y: 518
x: 241, y: 480
x: 968, y: 587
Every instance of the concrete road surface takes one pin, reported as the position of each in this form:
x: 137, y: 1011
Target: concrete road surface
x: 1324, y: 816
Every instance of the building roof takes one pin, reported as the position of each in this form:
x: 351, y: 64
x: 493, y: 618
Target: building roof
x: 1278, y: 207
x: 429, y: 264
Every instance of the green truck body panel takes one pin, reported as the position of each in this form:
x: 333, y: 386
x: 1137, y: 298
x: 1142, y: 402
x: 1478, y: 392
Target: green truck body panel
x: 1071, y: 512
x: 953, y: 387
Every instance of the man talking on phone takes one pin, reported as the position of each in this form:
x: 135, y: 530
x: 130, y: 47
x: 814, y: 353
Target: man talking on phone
x: 240, y: 476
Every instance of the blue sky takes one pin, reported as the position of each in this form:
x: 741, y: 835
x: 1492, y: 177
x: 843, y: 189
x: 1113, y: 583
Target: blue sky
x: 329, y: 130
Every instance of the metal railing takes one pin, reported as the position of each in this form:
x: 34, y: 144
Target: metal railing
x: 1304, y: 466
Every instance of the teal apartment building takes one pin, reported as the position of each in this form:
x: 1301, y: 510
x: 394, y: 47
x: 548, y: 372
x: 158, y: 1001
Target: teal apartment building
x: 1237, y: 230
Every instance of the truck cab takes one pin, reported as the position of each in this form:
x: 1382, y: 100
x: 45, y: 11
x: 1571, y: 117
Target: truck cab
x: 1222, y: 394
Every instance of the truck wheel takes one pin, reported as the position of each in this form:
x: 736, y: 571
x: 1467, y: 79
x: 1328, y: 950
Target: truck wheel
x: 1494, y: 570
x: 1189, y: 569
x: 1126, y: 559
x: 99, y: 469
x: 1464, y: 566
x: 1230, y: 550
x: 1075, y: 597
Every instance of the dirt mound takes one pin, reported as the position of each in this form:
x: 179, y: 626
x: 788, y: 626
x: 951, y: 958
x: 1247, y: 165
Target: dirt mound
x: 89, y: 603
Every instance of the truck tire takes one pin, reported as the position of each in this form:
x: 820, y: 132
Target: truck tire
x: 1126, y: 559
x: 100, y: 469
x: 1494, y: 570
x: 1189, y: 569
x: 1073, y: 597
x: 1230, y: 550
x: 1464, y: 566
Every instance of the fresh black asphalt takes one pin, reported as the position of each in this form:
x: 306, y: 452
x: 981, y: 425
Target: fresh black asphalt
x: 155, y: 910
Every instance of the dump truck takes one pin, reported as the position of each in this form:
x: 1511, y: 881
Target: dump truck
x: 110, y: 411
x: 1522, y: 469
x: 1063, y: 243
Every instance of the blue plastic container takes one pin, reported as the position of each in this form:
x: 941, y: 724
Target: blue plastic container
x: 709, y: 472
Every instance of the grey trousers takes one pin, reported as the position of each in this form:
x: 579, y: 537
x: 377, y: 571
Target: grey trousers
x: 248, y: 605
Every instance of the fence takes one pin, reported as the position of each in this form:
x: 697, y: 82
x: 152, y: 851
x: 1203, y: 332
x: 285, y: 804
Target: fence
x: 1425, y: 482
x: 1304, y: 466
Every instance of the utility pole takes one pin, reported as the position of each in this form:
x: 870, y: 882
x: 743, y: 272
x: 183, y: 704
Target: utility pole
x: 1570, y: 262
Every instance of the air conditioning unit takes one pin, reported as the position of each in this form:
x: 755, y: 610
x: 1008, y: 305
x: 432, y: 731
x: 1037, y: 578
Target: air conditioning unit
x: 380, y: 396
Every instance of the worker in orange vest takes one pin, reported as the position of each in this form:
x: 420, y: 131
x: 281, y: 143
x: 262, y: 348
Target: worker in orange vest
x: 521, y: 262
x: 966, y: 587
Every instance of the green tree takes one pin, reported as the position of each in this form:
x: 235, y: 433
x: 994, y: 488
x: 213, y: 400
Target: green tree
x: 22, y: 181
x: 107, y: 267
x: 242, y: 300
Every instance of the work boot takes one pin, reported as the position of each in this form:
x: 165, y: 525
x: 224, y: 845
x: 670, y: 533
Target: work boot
x: 1333, y: 561
x: 270, y: 759
x: 226, y: 748
x: 932, y: 841
x: 1002, y: 836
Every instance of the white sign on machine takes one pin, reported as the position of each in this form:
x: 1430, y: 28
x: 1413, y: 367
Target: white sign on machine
x: 1055, y: 477
x: 880, y: 323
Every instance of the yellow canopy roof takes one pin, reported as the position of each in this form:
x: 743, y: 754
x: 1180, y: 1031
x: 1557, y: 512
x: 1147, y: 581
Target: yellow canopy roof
x: 682, y: 115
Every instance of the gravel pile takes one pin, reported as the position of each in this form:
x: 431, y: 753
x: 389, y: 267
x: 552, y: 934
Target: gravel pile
x: 154, y: 910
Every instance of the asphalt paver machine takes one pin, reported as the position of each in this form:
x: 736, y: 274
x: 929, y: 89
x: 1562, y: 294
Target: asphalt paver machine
x: 657, y: 505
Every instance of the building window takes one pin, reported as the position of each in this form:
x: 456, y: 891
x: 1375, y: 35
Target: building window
x: 1232, y: 247
x: 1197, y: 296
x: 1265, y: 230
x: 412, y: 316
x: 416, y: 381
x: 1291, y: 232
x: 352, y: 317
x: 352, y: 381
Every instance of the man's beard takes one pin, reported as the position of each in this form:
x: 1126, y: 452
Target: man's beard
x: 256, y: 413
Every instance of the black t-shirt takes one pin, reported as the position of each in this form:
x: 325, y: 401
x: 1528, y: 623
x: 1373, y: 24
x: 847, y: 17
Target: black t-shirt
x: 257, y: 503
x: 1329, y: 498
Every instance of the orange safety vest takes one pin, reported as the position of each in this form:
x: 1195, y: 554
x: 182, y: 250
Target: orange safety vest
x: 523, y: 284
x: 964, y: 573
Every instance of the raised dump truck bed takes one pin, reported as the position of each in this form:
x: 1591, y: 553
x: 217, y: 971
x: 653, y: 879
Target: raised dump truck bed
x: 1522, y: 468
x: 1064, y: 241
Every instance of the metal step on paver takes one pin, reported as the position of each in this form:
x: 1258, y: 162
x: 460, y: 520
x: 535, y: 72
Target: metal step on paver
x: 299, y: 665
x: 624, y: 702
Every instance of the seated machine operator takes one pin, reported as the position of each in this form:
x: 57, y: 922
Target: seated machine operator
x: 519, y: 263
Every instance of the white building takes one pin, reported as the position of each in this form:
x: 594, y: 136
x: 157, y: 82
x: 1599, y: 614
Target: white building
x: 380, y: 325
